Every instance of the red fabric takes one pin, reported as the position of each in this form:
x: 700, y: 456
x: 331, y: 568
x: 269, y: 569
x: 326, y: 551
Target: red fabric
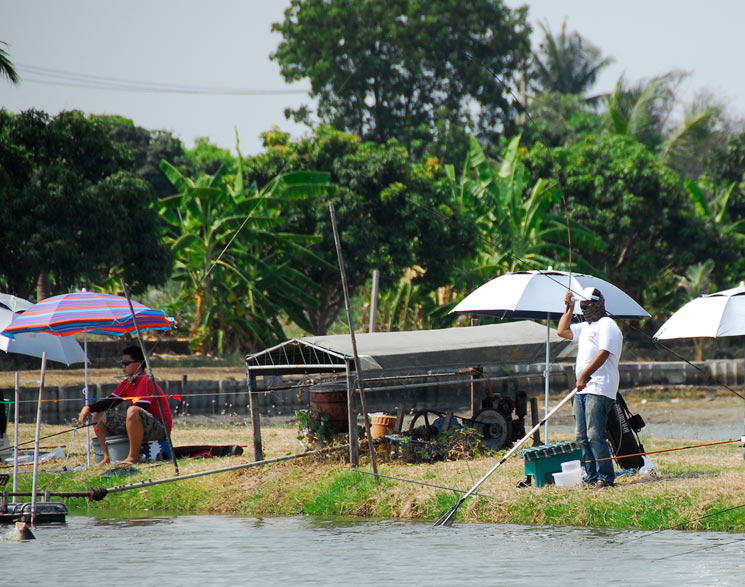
x: 139, y: 390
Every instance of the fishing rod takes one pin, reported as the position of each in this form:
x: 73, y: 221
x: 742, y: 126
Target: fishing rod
x: 415, y: 482
x: 682, y: 525
x: 662, y: 450
x: 99, y: 493
x: 449, y: 517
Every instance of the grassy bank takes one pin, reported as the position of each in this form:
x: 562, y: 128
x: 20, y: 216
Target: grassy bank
x: 692, y: 484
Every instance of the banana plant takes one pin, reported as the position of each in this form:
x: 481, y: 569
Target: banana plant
x: 234, y: 263
x: 514, y: 219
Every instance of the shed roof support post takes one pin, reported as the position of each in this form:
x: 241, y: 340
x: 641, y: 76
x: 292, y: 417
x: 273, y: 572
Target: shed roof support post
x: 354, y: 445
x: 253, y: 403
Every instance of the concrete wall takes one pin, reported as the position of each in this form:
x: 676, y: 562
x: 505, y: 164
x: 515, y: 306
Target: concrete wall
x: 229, y: 397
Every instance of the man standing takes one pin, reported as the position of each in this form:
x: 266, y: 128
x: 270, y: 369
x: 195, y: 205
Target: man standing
x: 599, y: 344
x: 142, y: 420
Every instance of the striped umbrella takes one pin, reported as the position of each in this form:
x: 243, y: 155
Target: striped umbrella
x: 95, y: 313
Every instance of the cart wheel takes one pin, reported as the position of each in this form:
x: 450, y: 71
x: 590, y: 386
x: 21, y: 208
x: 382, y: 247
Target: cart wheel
x: 422, y: 424
x: 492, y: 425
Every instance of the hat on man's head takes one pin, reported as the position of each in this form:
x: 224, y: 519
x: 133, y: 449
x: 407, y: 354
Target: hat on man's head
x: 589, y: 294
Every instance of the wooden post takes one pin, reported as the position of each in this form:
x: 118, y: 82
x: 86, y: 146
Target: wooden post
x: 354, y: 444
x: 374, y: 299
x: 474, y: 395
x: 534, y: 420
x: 253, y: 403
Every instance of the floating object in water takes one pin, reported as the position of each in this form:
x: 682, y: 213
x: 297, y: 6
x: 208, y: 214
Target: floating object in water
x: 22, y: 531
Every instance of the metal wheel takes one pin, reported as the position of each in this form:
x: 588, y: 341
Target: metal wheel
x: 422, y: 424
x: 493, y: 426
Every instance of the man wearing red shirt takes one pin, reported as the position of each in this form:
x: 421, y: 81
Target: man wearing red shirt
x: 142, y: 420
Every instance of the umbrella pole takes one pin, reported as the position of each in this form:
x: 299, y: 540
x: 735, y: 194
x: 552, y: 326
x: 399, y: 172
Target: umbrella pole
x: 15, y: 442
x: 35, y: 483
x: 546, y: 378
x: 158, y: 396
x: 87, y: 428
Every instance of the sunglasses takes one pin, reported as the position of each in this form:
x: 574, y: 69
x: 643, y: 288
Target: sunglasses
x: 125, y: 363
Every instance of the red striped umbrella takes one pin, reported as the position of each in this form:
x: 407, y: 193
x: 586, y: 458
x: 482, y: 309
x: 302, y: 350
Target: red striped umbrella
x: 96, y: 313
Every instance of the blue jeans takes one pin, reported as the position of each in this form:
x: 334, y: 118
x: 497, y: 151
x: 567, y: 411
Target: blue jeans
x: 590, y: 417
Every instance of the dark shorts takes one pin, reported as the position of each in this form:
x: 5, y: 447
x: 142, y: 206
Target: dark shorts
x: 116, y: 423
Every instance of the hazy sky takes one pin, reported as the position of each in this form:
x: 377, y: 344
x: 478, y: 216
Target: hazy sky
x: 226, y: 44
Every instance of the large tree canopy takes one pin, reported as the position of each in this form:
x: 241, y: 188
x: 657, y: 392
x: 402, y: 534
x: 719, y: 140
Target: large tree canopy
x: 406, y: 69
x: 392, y: 215
x: 618, y: 189
x: 71, y: 216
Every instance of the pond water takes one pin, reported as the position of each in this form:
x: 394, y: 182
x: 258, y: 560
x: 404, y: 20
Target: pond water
x: 221, y: 550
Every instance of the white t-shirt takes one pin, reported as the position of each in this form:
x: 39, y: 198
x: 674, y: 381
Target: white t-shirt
x: 603, y: 335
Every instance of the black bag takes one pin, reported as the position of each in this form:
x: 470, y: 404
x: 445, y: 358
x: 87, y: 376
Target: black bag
x: 622, y: 428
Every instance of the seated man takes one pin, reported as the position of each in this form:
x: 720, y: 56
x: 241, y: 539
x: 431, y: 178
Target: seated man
x: 142, y: 420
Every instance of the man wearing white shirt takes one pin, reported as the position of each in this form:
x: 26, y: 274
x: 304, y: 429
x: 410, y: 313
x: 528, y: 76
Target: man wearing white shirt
x: 599, y: 344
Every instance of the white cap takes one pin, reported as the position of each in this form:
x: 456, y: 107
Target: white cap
x: 587, y: 294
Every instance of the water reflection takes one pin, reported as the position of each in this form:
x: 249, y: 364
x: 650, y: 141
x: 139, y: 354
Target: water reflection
x: 220, y: 550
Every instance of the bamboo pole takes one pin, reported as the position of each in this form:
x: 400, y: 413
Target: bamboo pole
x: 357, y: 365
x: 35, y: 483
x: 15, y: 429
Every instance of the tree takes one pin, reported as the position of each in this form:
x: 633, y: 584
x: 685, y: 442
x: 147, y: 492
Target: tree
x: 619, y: 190
x: 232, y: 260
x: 144, y: 149
x: 513, y: 215
x: 71, y: 216
x: 6, y: 66
x: 392, y: 215
x: 643, y: 111
x: 405, y: 69
x: 566, y: 63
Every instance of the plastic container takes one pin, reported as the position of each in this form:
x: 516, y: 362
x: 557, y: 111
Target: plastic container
x: 648, y: 468
x: 571, y: 466
x: 381, y: 424
x: 567, y: 478
x: 118, y: 447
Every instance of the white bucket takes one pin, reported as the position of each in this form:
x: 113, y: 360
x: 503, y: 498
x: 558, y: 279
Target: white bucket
x: 567, y: 478
x: 570, y: 466
x: 97, y: 452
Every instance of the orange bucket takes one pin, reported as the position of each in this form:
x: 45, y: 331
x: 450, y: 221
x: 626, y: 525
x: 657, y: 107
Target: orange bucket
x: 380, y: 425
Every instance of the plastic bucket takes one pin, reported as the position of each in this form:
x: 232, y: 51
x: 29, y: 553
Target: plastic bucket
x: 567, y: 478
x: 118, y: 447
x: 571, y: 466
x: 97, y: 452
x: 381, y: 424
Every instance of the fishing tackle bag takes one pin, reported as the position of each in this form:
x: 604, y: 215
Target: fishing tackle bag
x: 622, y: 428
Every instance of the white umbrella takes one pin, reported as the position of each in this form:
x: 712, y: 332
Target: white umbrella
x: 711, y: 315
x: 540, y: 295
x: 65, y: 350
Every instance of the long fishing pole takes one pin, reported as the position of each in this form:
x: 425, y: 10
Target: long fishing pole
x: 449, y: 517
x: 415, y: 482
x: 156, y: 389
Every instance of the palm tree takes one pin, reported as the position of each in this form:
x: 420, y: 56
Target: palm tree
x: 566, y: 63
x: 642, y: 111
x: 6, y: 67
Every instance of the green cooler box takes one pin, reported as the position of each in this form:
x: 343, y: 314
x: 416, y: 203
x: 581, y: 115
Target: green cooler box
x: 541, y: 462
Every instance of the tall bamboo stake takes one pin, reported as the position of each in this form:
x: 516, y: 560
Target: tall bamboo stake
x: 357, y: 366
x: 15, y: 430
x: 37, y: 437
